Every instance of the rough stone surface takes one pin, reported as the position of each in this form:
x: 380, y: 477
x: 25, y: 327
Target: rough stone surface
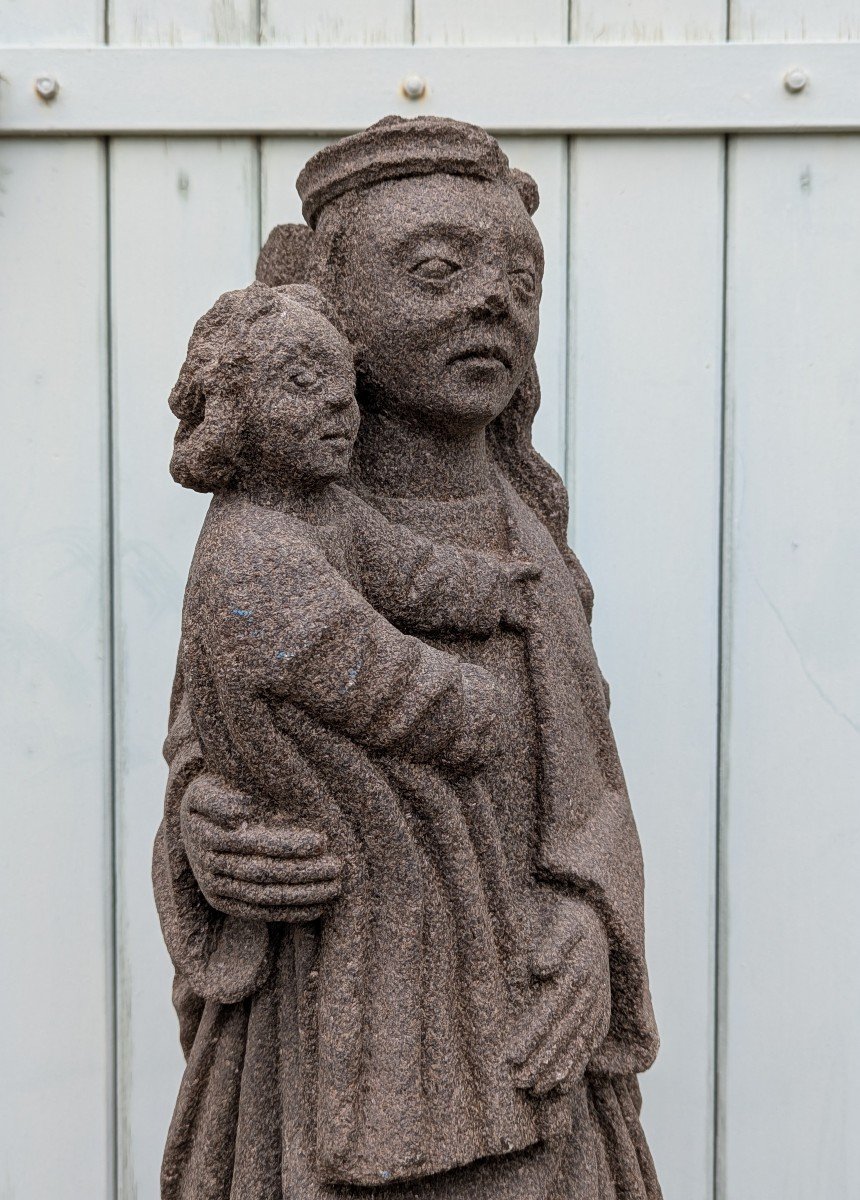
x: 397, y: 874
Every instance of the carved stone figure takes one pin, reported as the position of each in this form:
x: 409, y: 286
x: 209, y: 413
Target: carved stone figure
x: 397, y: 874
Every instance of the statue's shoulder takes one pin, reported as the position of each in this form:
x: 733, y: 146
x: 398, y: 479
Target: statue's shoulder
x: 242, y: 539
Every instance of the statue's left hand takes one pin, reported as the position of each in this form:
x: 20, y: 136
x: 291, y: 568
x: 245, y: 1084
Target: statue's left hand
x: 567, y: 1017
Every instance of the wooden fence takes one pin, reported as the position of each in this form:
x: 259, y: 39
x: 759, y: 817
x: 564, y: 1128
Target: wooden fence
x: 700, y: 362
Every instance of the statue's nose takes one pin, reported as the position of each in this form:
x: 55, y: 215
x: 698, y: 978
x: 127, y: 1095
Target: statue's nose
x: 341, y: 397
x: 494, y: 298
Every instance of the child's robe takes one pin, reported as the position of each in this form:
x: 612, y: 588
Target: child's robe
x: 302, y: 693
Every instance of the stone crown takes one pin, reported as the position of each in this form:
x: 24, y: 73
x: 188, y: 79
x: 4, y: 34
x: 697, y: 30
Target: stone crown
x: 394, y: 148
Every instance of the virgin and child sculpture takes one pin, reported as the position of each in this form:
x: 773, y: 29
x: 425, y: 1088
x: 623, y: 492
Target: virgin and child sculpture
x: 398, y: 874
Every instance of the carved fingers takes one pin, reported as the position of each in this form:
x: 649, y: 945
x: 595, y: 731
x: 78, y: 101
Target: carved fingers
x: 568, y: 1015
x: 563, y: 1039
x: 258, y: 840
x: 248, y: 868
x: 256, y: 871
x: 554, y: 948
x: 269, y: 897
x: 539, y: 1019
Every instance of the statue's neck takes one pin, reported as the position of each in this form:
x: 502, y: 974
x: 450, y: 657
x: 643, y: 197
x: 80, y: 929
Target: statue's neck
x: 397, y: 457
x: 301, y: 498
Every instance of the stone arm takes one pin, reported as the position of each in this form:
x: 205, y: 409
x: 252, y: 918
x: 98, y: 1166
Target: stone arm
x: 592, y: 1011
x: 291, y: 628
x: 431, y: 587
x: 350, y: 668
x: 205, y: 850
x: 612, y: 898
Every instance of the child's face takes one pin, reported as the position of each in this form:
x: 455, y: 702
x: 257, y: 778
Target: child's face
x: 303, y: 415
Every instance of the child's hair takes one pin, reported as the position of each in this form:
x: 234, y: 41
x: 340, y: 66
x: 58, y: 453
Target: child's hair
x: 210, y: 396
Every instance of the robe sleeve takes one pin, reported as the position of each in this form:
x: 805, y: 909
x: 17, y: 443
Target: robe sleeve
x: 585, y: 591
x: 424, y: 586
x: 581, y: 582
x: 601, y: 865
x: 216, y: 957
x: 285, y: 625
x: 588, y: 844
x: 605, y: 868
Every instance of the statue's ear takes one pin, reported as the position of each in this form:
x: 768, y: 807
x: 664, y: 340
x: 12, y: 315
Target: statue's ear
x: 527, y: 188
x: 286, y: 256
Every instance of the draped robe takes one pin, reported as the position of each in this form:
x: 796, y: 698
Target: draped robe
x: 246, y: 1125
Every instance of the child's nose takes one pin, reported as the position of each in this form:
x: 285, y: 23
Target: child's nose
x: 341, y: 398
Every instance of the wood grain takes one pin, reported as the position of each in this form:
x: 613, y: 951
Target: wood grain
x: 646, y: 283
x: 56, y: 1004
x: 791, y: 746
x: 184, y: 228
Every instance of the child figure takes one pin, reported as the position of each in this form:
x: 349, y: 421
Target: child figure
x: 305, y: 690
x: 294, y: 576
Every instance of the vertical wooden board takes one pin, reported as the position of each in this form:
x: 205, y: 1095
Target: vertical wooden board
x: 184, y: 229
x: 55, y: 874
x: 607, y: 21
x: 792, y: 1043
x: 282, y: 159
x: 505, y: 22
x: 794, y: 20
x: 646, y: 367
x: 646, y: 286
x: 51, y: 22
x: 56, y: 895
x: 335, y: 22
x: 181, y: 22
x: 322, y: 22
x: 449, y: 22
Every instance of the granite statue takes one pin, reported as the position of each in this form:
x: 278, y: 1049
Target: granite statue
x: 398, y: 874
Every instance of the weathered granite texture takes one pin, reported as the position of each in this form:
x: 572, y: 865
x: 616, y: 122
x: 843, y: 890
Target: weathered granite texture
x: 397, y: 873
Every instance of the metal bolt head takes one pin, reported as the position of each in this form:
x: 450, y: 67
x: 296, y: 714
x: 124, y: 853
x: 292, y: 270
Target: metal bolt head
x: 796, y: 79
x: 414, y: 87
x: 46, y: 88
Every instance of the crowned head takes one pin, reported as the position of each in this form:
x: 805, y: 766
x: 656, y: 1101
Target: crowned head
x: 424, y: 243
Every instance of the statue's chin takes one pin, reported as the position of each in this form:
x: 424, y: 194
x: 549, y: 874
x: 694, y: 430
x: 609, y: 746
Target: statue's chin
x: 468, y: 407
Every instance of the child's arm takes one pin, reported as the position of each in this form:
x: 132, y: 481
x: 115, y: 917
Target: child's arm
x: 282, y: 623
x: 433, y: 588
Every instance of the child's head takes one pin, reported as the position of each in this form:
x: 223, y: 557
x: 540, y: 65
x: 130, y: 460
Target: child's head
x: 267, y: 391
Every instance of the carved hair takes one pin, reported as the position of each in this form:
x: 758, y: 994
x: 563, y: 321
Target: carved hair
x: 212, y: 393
x: 510, y: 442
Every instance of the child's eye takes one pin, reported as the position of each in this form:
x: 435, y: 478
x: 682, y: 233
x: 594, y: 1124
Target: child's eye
x: 303, y: 378
x: 435, y: 268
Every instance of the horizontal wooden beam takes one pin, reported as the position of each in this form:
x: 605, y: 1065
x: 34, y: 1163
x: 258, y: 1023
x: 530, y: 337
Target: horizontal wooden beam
x: 773, y: 87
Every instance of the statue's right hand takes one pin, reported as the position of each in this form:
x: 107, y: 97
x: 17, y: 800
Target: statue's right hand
x: 245, y: 868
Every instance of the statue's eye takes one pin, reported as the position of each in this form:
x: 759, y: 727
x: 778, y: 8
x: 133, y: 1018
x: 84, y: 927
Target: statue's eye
x: 435, y: 268
x: 524, y: 281
x: 303, y: 377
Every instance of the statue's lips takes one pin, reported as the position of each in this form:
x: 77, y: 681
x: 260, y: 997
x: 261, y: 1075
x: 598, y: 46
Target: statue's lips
x: 482, y: 356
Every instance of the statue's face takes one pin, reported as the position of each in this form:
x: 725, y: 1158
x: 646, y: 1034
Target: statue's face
x: 440, y: 288
x: 302, y: 415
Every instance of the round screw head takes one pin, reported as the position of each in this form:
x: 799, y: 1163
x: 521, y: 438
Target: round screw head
x: 46, y: 88
x: 414, y: 87
x: 796, y: 79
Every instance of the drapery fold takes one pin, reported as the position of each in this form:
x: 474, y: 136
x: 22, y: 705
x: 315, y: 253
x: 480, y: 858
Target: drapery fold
x: 452, y: 899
